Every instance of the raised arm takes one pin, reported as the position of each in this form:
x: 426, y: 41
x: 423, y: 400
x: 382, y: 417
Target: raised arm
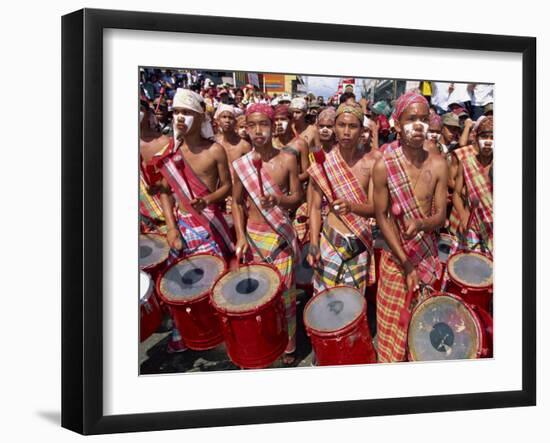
x: 239, y: 217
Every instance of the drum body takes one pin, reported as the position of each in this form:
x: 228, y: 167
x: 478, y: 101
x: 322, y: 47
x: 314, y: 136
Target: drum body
x: 150, y: 314
x: 304, y: 272
x: 185, y: 287
x: 444, y: 245
x: 336, y: 322
x: 250, y: 304
x: 443, y: 327
x: 153, y: 254
x: 470, y: 276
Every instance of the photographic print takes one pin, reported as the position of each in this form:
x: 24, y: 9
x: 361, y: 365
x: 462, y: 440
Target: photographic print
x: 290, y: 220
x: 278, y: 229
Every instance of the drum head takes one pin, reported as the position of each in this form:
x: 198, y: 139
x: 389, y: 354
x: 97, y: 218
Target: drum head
x: 153, y: 249
x: 334, y: 309
x: 304, y: 272
x: 145, y: 286
x: 191, y: 277
x: 443, y: 328
x: 444, y: 247
x: 471, y: 269
x: 246, y: 288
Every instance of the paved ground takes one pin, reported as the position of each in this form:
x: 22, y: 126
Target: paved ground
x: 154, y: 359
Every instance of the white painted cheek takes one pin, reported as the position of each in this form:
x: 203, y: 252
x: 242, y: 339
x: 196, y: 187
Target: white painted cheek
x: 326, y: 132
x: 425, y: 127
x: 141, y: 115
x: 284, y: 125
x: 242, y: 132
x: 486, y: 143
x: 409, y: 129
x: 188, y: 120
x: 266, y: 133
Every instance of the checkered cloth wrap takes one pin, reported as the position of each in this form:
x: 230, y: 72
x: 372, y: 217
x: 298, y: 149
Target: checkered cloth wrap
x: 333, y: 270
x: 195, y: 238
x: 422, y: 249
x: 173, y: 167
x: 390, y: 300
x: 275, y: 217
x: 150, y: 211
x: 346, y: 187
x: 266, y: 240
x: 478, y: 185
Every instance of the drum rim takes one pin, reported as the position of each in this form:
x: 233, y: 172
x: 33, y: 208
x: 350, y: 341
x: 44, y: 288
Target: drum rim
x: 226, y: 311
x: 469, y: 308
x: 150, y: 289
x: 462, y: 283
x: 163, y: 237
x: 198, y: 297
x: 350, y: 325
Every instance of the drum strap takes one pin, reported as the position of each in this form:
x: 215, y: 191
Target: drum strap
x: 344, y: 260
x: 271, y: 257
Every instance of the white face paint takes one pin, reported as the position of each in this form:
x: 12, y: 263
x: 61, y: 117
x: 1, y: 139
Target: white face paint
x: 409, y: 129
x: 187, y: 120
x: 284, y: 125
x: 486, y: 143
x: 242, y: 132
x: 434, y: 136
x: 141, y: 115
x: 326, y: 132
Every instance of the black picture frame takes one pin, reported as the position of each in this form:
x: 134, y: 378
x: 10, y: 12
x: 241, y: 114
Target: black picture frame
x: 82, y: 218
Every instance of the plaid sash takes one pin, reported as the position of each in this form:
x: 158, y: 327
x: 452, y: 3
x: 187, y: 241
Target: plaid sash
x: 478, y: 185
x: 346, y: 187
x: 275, y: 217
x: 173, y: 168
x: 421, y: 249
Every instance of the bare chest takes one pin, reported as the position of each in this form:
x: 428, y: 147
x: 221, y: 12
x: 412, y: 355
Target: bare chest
x: 423, y: 182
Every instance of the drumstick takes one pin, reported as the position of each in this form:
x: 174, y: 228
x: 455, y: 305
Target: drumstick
x: 257, y: 162
x: 320, y: 158
x: 474, y: 203
x: 160, y: 99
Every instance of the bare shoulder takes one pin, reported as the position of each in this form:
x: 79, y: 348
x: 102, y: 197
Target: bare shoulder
x: 372, y: 156
x: 217, y: 150
x: 244, y: 147
x: 288, y: 159
x: 438, y: 163
x: 149, y: 149
x: 379, y: 170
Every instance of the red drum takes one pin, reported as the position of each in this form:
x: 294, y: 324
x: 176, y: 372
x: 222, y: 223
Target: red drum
x: 443, y: 327
x: 250, y: 303
x: 336, y: 322
x: 153, y: 253
x: 185, y: 288
x: 304, y: 272
x: 471, y: 278
x: 149, y: 309
x: 444, y: 246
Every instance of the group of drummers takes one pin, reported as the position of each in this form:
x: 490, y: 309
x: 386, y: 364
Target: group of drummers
x: 245, y: 208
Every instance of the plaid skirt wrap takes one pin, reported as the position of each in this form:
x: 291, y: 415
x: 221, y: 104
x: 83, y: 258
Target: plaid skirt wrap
x: 150, y: 211
x: 421, y: 250
x: 478, y: 185
x: 185, y: 184
x: 265, y: 242
x: 344, y: 261
x: 390, y: 300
